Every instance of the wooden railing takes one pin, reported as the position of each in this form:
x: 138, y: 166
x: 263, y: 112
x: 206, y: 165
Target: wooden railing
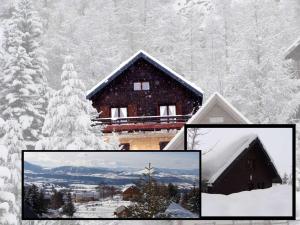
x: 141, y: 123
x: 141, y: 119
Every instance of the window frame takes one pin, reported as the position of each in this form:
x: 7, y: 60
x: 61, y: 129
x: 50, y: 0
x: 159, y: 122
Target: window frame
x: 140, y: 86
x: 119, y: 114
x: 168, y: 112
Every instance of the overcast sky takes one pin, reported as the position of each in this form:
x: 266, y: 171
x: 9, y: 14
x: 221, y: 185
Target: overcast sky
x: 278, y: 142
x: 180, y: 160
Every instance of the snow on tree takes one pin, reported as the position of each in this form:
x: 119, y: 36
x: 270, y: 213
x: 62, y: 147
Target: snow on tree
x: 260, y: 85
x: 11, y: 144
x: 23, y: 82
x: 67, y: 123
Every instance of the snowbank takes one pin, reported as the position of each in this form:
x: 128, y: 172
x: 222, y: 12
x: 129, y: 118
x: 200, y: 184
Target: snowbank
x: 275, y: 201
x: 176, y: 211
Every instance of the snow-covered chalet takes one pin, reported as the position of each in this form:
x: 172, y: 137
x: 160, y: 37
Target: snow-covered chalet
x: 238, y: 164
x: 145, y: 102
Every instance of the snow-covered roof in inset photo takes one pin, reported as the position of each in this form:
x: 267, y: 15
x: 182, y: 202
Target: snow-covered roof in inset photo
x: 216, y: 160
x: 289, y: 52
x: 126, y: 64
x: 127, y: 186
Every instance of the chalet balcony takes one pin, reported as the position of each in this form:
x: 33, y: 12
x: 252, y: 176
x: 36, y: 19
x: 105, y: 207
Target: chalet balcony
x: 141, y: 123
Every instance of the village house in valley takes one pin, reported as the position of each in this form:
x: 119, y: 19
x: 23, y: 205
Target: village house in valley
x: 130, y: 193
x: 145, y: 102
x: 216, y: 110
x: 238, y: 164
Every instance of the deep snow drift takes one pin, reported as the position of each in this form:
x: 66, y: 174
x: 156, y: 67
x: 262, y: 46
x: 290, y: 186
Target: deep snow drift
x: 274, y: 201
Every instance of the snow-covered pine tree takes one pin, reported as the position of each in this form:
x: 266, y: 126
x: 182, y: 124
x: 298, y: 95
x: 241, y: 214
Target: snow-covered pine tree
x: 23, y: 82
x: 67, y: 124
x: 11, y: 143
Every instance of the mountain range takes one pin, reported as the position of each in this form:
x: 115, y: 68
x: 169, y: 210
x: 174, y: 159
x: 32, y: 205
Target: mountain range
x: 66, y: 175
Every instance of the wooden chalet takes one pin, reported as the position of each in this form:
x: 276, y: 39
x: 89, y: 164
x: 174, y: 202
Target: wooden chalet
x: 145, y: 102
x: 238, y: 164
x: 293, y: 53
x: 131, y: 193
x: 216, y: 110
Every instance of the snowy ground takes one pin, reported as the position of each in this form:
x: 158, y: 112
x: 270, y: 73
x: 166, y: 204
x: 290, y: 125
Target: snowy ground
x: 99, y: 209
x: 275, y: 201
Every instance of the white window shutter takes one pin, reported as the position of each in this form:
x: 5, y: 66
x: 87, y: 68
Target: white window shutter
x: 123, y: 112
x: 114, y: 112
x: 163, y: 110
x: 172, y: 110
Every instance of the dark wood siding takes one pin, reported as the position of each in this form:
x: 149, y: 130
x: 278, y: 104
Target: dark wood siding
x: 237, y: 177
x: 164, y: 90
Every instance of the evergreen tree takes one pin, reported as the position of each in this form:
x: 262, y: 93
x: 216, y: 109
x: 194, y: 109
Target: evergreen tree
x: 173, y: 192
x: 56, y: 200
x: 69, y: 208
x: 42, y: 206
x: 67, y: 123
x: 23, y: 81
x: 285, y: 178
x: 152, y: 202
x: 193, y: 202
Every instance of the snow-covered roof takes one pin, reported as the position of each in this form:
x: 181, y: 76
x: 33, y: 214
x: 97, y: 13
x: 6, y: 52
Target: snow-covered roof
x: 128, y: 186
x: 289, y: 51
x: 126, y: 64
x: 177, y: 143
x: 217, y: 160
x: 177, y: 211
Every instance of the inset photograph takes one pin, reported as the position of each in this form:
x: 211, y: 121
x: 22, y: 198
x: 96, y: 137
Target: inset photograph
x: 115, y: 185
x: 245, y: 171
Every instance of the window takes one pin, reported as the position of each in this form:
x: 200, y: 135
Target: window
x: 145, y: 86
x: 124, y: 146
x: 119, y: 113
x: 217, y: 119
x: 162, y: 144
x: 138, y: 86
x: 167, y: 110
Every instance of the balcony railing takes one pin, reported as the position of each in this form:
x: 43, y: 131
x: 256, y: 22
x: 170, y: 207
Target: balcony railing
x: 141, y: 123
